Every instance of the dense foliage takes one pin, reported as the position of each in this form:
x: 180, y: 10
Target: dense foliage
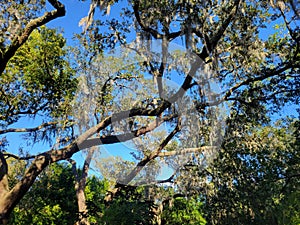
x: 197, y: 87
x: 51, y: 200
x: 38, y: 79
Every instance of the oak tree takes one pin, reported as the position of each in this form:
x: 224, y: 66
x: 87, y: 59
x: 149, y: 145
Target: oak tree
x: 251, y: 48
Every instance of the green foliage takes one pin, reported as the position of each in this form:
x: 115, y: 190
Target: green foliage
x: 37, y: 79
x: 129, y: 207
x: 127, y: 212
x: 95, y: 192
x: 51, y: 200
x: 288, y: 210
x: 254, y: 179
x: 183, y: 211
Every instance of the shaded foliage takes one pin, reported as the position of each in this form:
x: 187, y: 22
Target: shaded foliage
x: 51, y: 200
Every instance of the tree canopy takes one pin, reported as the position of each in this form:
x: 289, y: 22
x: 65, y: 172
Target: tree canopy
x: 195, y: 86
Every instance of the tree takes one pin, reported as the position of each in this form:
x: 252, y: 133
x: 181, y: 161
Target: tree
x: 183, y: 211
x: 258, y: 75
x: 37, y: 80
x: 253, y: 177
x: 20, y: 19
x: 51, y: 200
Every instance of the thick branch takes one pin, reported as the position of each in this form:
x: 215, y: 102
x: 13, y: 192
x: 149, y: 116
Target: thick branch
x: 9, y: 155
x: 33, y: 24
x: 264, y: 75
x: 42, y: 160
x: 81, y: 199
x: 212, y: 42
x: 153, y: 32
x: 3, y: 175
x: 127, y: 136
x: 152, y: 156
x: 217, y: 36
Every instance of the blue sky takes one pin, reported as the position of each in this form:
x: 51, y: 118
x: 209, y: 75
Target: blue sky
x: 76, y: 10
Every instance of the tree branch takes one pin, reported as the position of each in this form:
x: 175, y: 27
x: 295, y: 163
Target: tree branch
x: 212, y: 42
x: 42, y: 160
x: 152, y: 156
x: 44, y: 125
x: 153, y: 32
x: 264, y: 75
x: 186, y: 151
x: 112, y: 139
x: 33, y: 24
x: 3, y: 175
x: 10, y: 155
x: 122, y: 183
x: 217, y: 36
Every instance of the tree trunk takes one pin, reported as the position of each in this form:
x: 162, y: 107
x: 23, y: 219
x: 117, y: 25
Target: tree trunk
x: 10, y: 198
x: 4, y: 190
x: 82, y: 208
x: 80, y: 184
x: 5, y: 209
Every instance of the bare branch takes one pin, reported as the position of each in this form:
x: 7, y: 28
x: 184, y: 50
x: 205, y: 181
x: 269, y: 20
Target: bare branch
x: 19, y: 130
x: 186, y: 151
